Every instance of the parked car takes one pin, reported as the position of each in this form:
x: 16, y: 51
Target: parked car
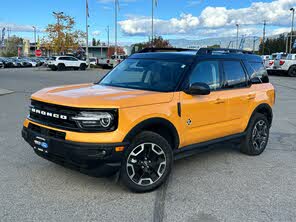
x: 151, y: 109
x: 287, y: 65
x: 266, y: 60
x: 105, y: 63
x: 93, y: 61
x: 112, y: 62
x: 274, y: 57
x: 63, y: 62
x: 16, y: 62
x: 1, y: 64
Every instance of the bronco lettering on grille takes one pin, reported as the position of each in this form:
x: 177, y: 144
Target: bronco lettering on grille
x: 49, y: 114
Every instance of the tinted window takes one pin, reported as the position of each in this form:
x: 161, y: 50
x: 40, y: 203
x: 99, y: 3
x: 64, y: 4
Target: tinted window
x: 64, y: 58
x: 206, y: 72
x: 73, y: 59
x: 235, y: 76
x: 257, y: 69
x: 146, y: 74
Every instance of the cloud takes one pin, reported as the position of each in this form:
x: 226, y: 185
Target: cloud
x: 19, y: 28
x: 96, y: 33
x: 215, y: 19
x: 281, y: 30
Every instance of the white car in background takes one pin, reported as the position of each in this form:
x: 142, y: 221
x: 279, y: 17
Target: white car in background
x: 287, y: 65
x: 63, y: 62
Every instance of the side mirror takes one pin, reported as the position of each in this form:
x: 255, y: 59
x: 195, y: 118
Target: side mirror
x: 256, y: 80
x: 198, y: 88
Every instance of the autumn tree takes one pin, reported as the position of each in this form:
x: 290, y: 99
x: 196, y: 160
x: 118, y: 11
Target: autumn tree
x: 158, y: 42
x: 61, y: 36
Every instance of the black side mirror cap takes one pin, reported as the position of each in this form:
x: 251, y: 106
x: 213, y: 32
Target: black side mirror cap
x: 198, y: 88
x: 255, y: 80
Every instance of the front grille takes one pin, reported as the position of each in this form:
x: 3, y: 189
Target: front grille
x: 52, y: 121
x: 47, y: 132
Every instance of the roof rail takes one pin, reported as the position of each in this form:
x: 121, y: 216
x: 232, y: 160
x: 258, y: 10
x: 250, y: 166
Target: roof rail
x: 222, y: 51
x: 165, y: 50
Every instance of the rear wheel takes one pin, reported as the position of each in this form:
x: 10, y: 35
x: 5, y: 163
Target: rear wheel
x: 61, y: 67
x: 292, y: 71
x: 256, y: 139
x: 147, y: 163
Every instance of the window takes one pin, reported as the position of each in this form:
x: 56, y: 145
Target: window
x: 146, y: 74
x: 257, y: 69
x: 72, y: 59
x: 235, y: 76
x: 64, y: 58
x: 207, y: 72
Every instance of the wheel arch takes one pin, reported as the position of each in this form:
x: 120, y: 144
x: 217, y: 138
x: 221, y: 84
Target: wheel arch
x: 158, y: 125
x: 264, y: 109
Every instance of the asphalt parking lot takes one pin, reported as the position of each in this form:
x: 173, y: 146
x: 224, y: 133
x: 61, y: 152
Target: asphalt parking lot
x: 219, y: 185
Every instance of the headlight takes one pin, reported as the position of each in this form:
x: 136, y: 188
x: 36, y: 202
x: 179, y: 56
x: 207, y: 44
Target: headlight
x: 96, y: 120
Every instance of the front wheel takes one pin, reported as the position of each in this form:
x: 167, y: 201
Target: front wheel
x: 257, y: 134
x: 147, y: 163
x: 292, y: 71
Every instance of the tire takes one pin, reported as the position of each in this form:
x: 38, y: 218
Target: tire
x: 292, y: 71
x: 82, y: 66
x: 54, y: 68
x: 61, y: 67
x: 147, y: 162
x: 257, y: 134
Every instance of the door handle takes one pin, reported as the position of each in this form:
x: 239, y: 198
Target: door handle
x: 219, y: 101
x: 251, y: 96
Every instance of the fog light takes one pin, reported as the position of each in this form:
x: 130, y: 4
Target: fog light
x: 119, y: 148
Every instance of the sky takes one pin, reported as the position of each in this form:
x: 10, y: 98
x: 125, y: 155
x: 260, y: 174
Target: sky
x: 190, y: 19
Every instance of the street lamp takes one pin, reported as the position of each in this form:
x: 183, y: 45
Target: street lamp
x: 291, y: 39
x: 35, y: 37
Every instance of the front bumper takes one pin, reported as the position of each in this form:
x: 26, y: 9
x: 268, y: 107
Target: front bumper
x: 89, y: 158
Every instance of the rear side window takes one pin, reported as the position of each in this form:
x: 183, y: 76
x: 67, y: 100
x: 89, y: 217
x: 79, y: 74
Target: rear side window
x: 257, y: 69
x: 235, y: 76
x: 206, y: 72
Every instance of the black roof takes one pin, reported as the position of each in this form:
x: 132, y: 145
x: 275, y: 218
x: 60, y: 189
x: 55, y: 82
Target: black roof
x: 191, y: 54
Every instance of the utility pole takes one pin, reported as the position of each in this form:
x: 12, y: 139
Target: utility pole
x: 237, y: 27
x: 35, y: 37
x: 263, y: 39
x: 292, y: 27
x: 254, y: 41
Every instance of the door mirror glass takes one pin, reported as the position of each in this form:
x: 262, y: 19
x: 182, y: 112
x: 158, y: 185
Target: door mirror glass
x: 198, y: 88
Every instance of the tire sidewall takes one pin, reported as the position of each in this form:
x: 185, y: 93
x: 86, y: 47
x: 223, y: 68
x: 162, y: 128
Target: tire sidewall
x: 248, y: 140
x: 147, y: 137
x: 290, y: 72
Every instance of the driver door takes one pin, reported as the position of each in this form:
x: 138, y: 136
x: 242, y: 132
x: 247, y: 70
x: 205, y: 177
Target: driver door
x: 204, y: 117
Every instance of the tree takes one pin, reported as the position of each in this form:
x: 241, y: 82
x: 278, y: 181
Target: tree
x: 158, y: 42
x: 11, y: 46
x: 216, y: 46
x: 272, y: 45
x: 61, y: 36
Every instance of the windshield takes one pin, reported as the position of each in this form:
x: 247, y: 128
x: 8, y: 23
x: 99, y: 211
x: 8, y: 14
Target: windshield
x: 146, y: 74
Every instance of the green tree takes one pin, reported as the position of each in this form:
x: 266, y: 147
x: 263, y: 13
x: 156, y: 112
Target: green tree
x: 11, y: 46
x: 94, y: 42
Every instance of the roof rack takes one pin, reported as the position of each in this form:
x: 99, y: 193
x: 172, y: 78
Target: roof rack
x: 165, y: 50
x: 222, y: 51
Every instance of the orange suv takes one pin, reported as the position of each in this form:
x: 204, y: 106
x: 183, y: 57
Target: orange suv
x: 156, y: 106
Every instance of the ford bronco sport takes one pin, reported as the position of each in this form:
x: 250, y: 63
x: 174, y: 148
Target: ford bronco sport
x: 156, y: 106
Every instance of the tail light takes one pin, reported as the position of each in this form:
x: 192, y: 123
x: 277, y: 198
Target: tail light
x: 282, y: 62
x: 108, y: 61
x: 270, y: 63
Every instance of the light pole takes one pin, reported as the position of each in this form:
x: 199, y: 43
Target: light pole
x: 116, y: 12
x: 58, y: 16
x: 154, y: 3
x: 35, y: 37
x: 108, y: 36
x: 237, y: 26
x: 292, y: 27
x: 263, y: 40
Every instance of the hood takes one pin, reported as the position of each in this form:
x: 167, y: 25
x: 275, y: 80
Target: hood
x: 98, y: 96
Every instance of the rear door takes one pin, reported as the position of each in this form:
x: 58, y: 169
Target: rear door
x: 239, y: 93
